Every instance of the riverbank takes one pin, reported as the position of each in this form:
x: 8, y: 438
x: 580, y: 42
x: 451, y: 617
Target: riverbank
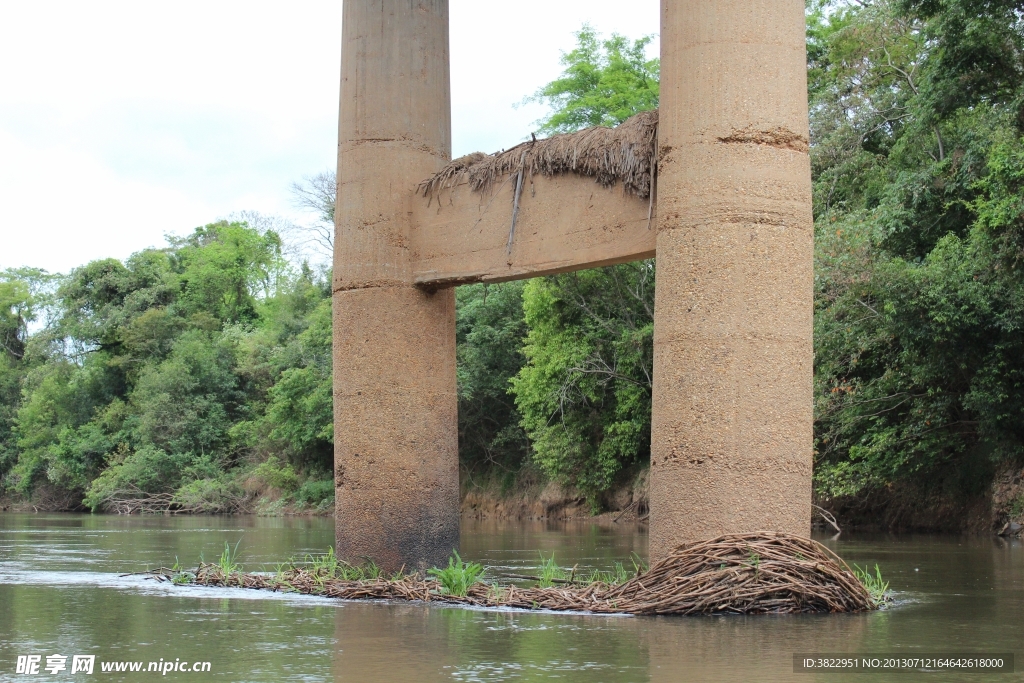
x: 490, y: 498
x: 999, y: 509
x: 938, y: 507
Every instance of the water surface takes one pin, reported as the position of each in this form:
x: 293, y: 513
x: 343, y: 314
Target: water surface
x: 62, y: 592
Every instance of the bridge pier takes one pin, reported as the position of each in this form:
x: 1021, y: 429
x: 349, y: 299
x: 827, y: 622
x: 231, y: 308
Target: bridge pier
x: 732, y: 419
x: 395, y: 406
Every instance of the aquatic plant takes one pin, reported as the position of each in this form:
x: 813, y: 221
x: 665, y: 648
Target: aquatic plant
x: 497, y: 593
x: 458, y: 576
x: 327, y: 566
x: 875, y: 585
x: 551, y: 572
x: 228, y: 562
x: 179, y: 576
x: 281, y: 575
x: 619, y: 573
x: 368, y: 571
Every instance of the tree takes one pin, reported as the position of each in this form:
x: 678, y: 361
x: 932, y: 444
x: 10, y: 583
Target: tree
x: 603, y: 84
x: 489, y: 332
x: 224, y: 268
x: 584, y: 393
x: 25, y: 295
x: 317, y: 194
x: 917, y: 160
x: 164, y: 374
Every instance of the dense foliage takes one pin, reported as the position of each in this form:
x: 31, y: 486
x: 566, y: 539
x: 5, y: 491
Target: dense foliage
x: 201, y: 371
x: 585, y: 392
x: 489, y: 334
x: 603, y: 84
x: 172, y: 373
x: 918, y: 162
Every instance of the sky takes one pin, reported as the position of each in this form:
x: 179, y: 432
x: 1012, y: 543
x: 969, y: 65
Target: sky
x: 122, y: 122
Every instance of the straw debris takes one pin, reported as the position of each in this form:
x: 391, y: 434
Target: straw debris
x: 626, y: 154
x: 759, y: 573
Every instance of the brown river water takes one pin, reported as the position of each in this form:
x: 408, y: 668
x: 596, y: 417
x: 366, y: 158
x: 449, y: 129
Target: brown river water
x: 62, y: 592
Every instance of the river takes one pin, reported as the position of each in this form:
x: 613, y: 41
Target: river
x: 62, y: 592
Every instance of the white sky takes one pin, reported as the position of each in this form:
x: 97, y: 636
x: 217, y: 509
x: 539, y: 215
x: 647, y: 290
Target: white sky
x: 124, y: 121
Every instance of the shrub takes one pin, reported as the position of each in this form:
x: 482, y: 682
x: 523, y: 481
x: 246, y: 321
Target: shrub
x: 277, y: 476
x: 208, y: 495
x: 315, y: 492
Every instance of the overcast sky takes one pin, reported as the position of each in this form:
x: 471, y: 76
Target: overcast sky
x: 123, y: 121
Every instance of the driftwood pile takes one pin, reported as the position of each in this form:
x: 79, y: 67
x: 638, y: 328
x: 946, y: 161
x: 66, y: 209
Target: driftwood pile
x: 761, y: 573
x: 746, y: 574
x: 626, y: 154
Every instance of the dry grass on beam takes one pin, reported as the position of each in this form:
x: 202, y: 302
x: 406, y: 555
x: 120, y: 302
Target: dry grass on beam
x: 760, y: 573
x: 623, y: 154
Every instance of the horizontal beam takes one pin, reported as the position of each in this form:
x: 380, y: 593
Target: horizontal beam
x: 565, y: 222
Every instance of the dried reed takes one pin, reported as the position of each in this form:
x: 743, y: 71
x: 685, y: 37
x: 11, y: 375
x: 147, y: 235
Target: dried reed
x: 625, y: 153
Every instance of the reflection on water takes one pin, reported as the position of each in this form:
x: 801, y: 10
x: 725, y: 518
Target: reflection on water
x: 62, y: 590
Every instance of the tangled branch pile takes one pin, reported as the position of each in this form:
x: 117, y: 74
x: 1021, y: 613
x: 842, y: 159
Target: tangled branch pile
x: 745, y: 573
x: 757, y: 573
x: 625, y: 153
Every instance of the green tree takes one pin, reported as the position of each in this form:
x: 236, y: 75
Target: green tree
x: 24, y: 296
x: 604, y: 83
x: 225, y: 268
x: 167, y: 372
x: 584, y: 393
x: 917, y: 163
x: 490, y: 330
x: 299, y: 412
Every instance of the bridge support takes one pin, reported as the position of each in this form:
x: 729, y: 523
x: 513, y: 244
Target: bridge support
x: 395, y: 420
x: 731, y: 426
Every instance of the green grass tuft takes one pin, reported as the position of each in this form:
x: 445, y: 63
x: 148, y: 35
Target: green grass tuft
x: 877, y: 587
x: 327, y: 566
x: 619, y: 573
x: 180, y: 577
x: 550, y: 571
x: 458, y: 576
x: 228, y: 561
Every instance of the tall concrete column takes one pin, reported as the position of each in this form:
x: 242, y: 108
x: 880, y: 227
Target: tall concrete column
x: 395, y: 419
x: 731, y: 434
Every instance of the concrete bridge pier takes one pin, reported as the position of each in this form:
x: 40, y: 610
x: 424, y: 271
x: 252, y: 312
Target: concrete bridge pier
x: 731, y: 431
x: 396, y: 427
